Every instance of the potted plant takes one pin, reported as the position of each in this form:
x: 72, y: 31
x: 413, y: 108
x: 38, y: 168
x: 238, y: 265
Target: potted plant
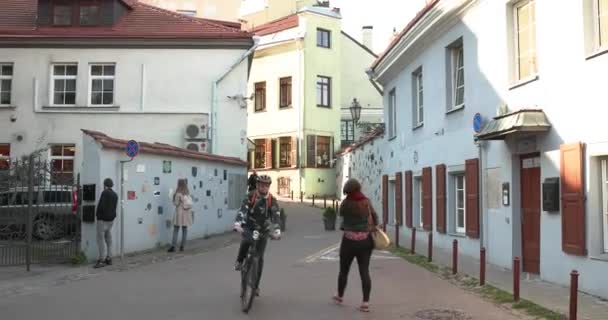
x: 329, y: 219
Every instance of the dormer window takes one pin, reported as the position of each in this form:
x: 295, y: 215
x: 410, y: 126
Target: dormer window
x: 89, y: 14
x: 62, y: 15
x: 81, y: 13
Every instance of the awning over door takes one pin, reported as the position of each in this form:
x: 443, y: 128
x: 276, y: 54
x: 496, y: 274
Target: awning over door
x: 250, y: 145
x: 521, y: 121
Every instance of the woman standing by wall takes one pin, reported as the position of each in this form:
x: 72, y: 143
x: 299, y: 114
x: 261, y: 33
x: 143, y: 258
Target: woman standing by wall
x: 183, y: 213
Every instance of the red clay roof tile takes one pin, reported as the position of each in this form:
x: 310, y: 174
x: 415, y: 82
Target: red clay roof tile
x: 161, y: 149
x: 18, y: 19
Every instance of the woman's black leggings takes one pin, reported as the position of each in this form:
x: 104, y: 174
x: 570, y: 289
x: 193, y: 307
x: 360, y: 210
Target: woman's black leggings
x: 362, y: 250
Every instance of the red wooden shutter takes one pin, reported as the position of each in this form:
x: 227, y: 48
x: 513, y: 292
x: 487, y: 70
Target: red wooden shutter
x: 294, y: 152
x: 399, y: 198
x: 269, y: 160
x: 472, y: 197
x: 573, y: 198
x: 440, y: 185
x: 427, y: 198
x: 385, y: 199
x: 408, y: 199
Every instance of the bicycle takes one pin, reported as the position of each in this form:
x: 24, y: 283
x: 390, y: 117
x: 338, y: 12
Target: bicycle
x: 250, y: 271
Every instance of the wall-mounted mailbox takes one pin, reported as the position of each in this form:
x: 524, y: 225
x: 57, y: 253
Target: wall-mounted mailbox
x: 551, y: 194
x: 88, y: 213
x: 88, y: 192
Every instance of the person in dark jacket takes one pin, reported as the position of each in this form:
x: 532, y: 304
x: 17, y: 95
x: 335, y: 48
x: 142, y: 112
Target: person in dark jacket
x: 106, y: 213
x: 252, y: 181
x: 358, y: 219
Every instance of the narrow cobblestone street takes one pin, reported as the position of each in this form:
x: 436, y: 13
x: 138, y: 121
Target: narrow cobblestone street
x: 298, y: 282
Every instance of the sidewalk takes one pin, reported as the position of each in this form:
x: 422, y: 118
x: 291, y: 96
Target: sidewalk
x: 551, y: 296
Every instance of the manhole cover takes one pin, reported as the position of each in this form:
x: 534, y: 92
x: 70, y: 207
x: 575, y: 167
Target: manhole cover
x: 441, y: 314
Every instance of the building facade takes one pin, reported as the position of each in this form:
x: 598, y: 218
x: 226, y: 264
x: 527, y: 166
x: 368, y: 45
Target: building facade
x: 301, y: 79
x: 493, y: 141
x: 124, y: 68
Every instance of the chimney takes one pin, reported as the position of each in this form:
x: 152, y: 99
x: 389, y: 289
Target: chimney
x: 367, y: 35
x: 336, y: 10
x: 394, y: 34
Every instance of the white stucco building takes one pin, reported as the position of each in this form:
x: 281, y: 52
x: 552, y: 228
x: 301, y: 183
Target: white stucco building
x: 121, y: 67
x: 532, y: 182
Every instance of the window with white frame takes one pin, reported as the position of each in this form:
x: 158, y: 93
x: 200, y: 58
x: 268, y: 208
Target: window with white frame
x: 605, y: 204
x: 418, y: 98
x: 601, y: 23
x: 392, y: 114
x: 6, y: 82
x: 459, y: 203
x: 525, y: 39
x: 102, y: 84
x: 63, y: 84
x: 61, y: 157
x: 456, y: 76
x: 418, y: 202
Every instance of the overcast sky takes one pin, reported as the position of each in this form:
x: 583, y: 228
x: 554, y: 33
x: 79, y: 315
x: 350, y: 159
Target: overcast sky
x: 383, y: 15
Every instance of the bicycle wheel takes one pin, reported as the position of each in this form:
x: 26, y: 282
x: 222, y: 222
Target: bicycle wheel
x: 248, y: 281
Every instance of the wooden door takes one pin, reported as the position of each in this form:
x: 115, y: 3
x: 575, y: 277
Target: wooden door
x: 530, y: 213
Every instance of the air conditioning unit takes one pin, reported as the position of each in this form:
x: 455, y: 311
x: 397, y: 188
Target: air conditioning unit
x: 196, y: 132
x: 197, y: 146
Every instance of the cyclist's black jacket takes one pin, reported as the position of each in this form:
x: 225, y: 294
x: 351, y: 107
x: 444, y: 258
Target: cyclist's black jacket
x: 255, y: 209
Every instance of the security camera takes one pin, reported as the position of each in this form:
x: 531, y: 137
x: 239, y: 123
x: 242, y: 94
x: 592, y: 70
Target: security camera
x: 13, y: 118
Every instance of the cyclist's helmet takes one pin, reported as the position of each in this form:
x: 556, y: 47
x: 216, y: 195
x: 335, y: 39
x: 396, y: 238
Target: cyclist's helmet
x: 264, y: 179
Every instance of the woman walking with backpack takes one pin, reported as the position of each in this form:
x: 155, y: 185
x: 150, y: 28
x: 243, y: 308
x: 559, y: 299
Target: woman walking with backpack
x: 359, y: 219
x: 183, y: 213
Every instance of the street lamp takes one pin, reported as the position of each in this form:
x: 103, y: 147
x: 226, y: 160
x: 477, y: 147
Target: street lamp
x: 355, y: 110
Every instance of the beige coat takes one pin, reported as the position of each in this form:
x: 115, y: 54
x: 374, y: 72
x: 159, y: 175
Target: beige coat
x: 182, y: 217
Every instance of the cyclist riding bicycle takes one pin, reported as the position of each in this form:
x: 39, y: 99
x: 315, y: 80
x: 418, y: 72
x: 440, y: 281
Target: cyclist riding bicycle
x: 260, y: 208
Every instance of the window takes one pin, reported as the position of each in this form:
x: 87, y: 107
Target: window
x: 285, y: 92
x: 5, y: 156
x: 456, y: 77
x: 6, y: 81
x: 89, y: 15
x: 602, y: 23
x: 260, y: 96
x: 285, y: 148
x: 323, y: 38
x: 260, y: 153
x: 64, y: 84
x: 323, y: 91
x: 392, y: 114
x: 525, y: 30
x: 190, y: 13
x: 605, y: 203
x: 347, y: 132
x: 418, y: 204
x: 62, y: 163
x: 418, y: 97
x: 62, y: 14
x: 320, y: 151
x: 459, y: 203
x: 102, y: 84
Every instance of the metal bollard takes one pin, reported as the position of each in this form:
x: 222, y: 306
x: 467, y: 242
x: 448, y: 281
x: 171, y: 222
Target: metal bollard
x: 313, y: 200
x: 324, y: 202
x: 291, y: 195
x: 455, y: 256
x: 413, y: 245
x: 430, y: 251
x: 516, y: 279
x: 573, y: 294
x: 301, y: 196
x: 482, y: 266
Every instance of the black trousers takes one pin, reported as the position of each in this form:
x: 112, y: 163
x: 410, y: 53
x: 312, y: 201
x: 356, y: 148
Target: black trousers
x: 261, y: 248
x: 349, y: 250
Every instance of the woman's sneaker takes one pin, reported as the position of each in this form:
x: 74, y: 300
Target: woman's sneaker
x: 108, y: 261
x: 100, y: 263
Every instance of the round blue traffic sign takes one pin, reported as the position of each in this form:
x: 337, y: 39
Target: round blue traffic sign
x: 477, y: 123
x: 132, y: 148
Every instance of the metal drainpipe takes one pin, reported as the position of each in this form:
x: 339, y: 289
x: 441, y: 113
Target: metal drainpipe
x: 481, y: 188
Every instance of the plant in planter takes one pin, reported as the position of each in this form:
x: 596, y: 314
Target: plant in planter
x: 329, y: 219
